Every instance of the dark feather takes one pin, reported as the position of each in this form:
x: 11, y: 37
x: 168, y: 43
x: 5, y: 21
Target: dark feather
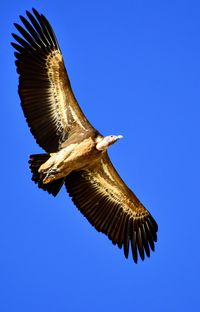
x: 140, y: 243
x: 111, y: 215
x: 44, y: 86
x: 134, y: 244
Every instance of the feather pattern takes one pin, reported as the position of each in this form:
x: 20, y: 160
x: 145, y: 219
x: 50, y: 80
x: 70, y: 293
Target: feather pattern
x: 112, y: 208
x: 47, y: 99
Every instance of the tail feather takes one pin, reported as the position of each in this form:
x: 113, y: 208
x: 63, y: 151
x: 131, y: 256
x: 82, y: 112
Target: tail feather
x: 35, y: 161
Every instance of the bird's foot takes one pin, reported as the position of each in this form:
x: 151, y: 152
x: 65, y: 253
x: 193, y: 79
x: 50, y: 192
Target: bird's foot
x: 48, y: 179
x: 50, y: 176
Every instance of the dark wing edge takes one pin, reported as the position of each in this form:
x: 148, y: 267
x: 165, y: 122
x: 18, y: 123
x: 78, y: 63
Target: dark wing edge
x: 113, y: 209
x: 47, y: 100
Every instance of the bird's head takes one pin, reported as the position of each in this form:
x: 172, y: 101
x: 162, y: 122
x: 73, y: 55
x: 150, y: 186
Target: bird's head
x: 106, y: 141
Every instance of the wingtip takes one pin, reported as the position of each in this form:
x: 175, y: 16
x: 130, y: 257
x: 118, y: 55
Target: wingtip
x: 36, y: 13
x: 28, y: 13
x: 16, y: 25
x: 13, y: 44
x: 135, y: 259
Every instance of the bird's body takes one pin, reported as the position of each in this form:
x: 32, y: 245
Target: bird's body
x: 76, y: 153
x: 79, y: 154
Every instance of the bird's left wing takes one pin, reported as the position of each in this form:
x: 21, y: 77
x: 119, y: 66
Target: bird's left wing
x: 47, y: 99
x: 112, y: 208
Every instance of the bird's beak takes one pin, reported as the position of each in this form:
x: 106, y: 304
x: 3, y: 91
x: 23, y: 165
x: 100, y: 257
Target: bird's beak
x: 119, y: 137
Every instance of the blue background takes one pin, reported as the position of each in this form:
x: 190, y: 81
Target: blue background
x: 135, y: 69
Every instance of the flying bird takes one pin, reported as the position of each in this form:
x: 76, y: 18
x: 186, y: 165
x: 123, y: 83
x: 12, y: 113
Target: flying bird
x: 75, y: 152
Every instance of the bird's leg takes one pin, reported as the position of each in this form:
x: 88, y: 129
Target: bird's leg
x: 56, y: 159
x: 50, y: 175
x: 57, y: 166
x: 47, y: 165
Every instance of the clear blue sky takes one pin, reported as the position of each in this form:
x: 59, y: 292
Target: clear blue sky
x: 135, y: 69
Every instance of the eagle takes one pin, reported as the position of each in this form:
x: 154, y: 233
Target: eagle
x: 75, y: 152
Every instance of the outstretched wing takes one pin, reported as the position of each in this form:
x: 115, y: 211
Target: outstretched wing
x: 112, y: 208
x: 47, y: 99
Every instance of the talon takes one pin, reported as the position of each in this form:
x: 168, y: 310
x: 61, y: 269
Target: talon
x: 48, y: 179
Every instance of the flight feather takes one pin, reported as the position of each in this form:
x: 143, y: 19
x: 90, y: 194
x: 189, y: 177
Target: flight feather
x: 47, y: 99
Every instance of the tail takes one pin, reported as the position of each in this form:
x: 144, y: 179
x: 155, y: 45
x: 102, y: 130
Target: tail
x: 35, y: 161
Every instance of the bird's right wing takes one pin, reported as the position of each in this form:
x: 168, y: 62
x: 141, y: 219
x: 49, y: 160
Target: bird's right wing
x: 47, y: 99
x: 112, y: 208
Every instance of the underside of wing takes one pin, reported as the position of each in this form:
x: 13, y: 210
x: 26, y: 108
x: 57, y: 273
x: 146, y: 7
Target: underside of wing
x: 112, y: 208
x: 47, y: 99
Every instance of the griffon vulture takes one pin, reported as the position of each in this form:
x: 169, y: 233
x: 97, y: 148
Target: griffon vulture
x: 76, y: 153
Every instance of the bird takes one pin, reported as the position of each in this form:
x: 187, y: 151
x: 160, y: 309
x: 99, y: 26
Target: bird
x: 75, y: 153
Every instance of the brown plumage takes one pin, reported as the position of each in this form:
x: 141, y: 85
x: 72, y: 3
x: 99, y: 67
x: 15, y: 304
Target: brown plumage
x: 76, y: 152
